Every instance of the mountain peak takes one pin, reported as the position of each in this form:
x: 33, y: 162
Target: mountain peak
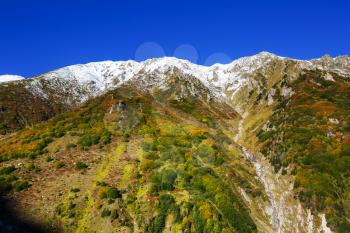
x: 10, y: 78
x: 266, y: 54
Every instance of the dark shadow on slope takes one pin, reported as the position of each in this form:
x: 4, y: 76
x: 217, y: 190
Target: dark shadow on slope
x: 10, y: 223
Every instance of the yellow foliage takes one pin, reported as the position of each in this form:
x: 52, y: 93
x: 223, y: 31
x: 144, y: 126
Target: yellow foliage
x: 208, y: 142
x: 303, y: 178
x: 128, y: 174
x: 146, y: 164
x: 195, y: 131
x: 170, y: 129
x: 324, y: 108
x: 148, y: 139
x: 27, y: 133
x: 206, y: 210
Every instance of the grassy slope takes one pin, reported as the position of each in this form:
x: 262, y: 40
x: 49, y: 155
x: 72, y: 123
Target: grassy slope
x: 149, y: 169
x: 31, y: 101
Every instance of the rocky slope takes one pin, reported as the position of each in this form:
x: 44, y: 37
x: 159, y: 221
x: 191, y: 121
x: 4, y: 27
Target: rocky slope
x: 166, y: 145
x: 235, y: 83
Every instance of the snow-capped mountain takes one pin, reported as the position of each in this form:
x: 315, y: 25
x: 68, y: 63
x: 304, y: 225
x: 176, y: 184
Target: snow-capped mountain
x: 102, y: 76
x: 239, y: 84
x: 221, y: 80
x: 10, y: 78
x: 236, y: 83
x: 276, y: 112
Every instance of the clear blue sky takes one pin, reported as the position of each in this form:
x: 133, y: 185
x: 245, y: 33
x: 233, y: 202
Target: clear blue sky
x: 38, y: 36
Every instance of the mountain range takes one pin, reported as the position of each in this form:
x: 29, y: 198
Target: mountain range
x: 258, y: 145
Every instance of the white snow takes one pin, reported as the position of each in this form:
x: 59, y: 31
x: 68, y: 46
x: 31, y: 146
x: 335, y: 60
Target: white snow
x: 333, y: 121
x: 324, y: 228
x: 287, y: 91
x: 270, y: 96
x: 223, y: 81
x: 329, y: 77
x: 99, y: 74
x: 102, y: 76
x: 244, y: 195
x: 310, y: 222
x: 10, y: 78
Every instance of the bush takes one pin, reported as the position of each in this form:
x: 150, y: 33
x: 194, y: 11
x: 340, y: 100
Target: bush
x: 158, y: 224
x: 43, y: 143
x: 32, y: 167
x: 20, y: 185
x: 126, y: 136
x: 205, y: 150
x: 5, y: 185
x: 18, y: 154
x: 71, y: 205
x: 27, y: 140
x: 164, y: 180
x: 105, y: 213
x: 60, y: 164
x: 9, y: 178
x: 105, y: 137
x: 7, y: 170
x: 70, y: 146
x: 89, y: 140
x: 149, y: 147
x: 75, y: 190
x: 59, y: 133
x: 265, y: 135
x: 33, y: 155
x: 101, y: 183
x: 49, y: 159
x: 102, y: 194
x: 113, y: 193
x: 199, y: 222
x: 114, y: 214
x: 147, y: 164
x: 167, y: 205
x: 80, y: 165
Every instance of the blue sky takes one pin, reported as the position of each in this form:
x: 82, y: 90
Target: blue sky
x: 38, y: 36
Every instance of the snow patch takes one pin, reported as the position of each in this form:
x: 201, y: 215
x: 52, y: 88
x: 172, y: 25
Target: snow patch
x: 270, y: 96
x: 244, y: 195
x: 333, y: 121
x: 310, y: 222
x: 10, y: 78
x: 329, y: 77
x: 324, y: 228
x: 287, y: 91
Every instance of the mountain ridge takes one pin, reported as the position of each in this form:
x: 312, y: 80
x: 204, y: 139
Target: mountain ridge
x: 324, y: 59
x: 96, y: 78
x: 264, y: 127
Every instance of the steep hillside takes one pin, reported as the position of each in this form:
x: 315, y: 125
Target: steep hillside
x: 72, y: 86
x: 133, y: 166
x: 258, y: 145
x: 308, y: 136
x: 27, y: 102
